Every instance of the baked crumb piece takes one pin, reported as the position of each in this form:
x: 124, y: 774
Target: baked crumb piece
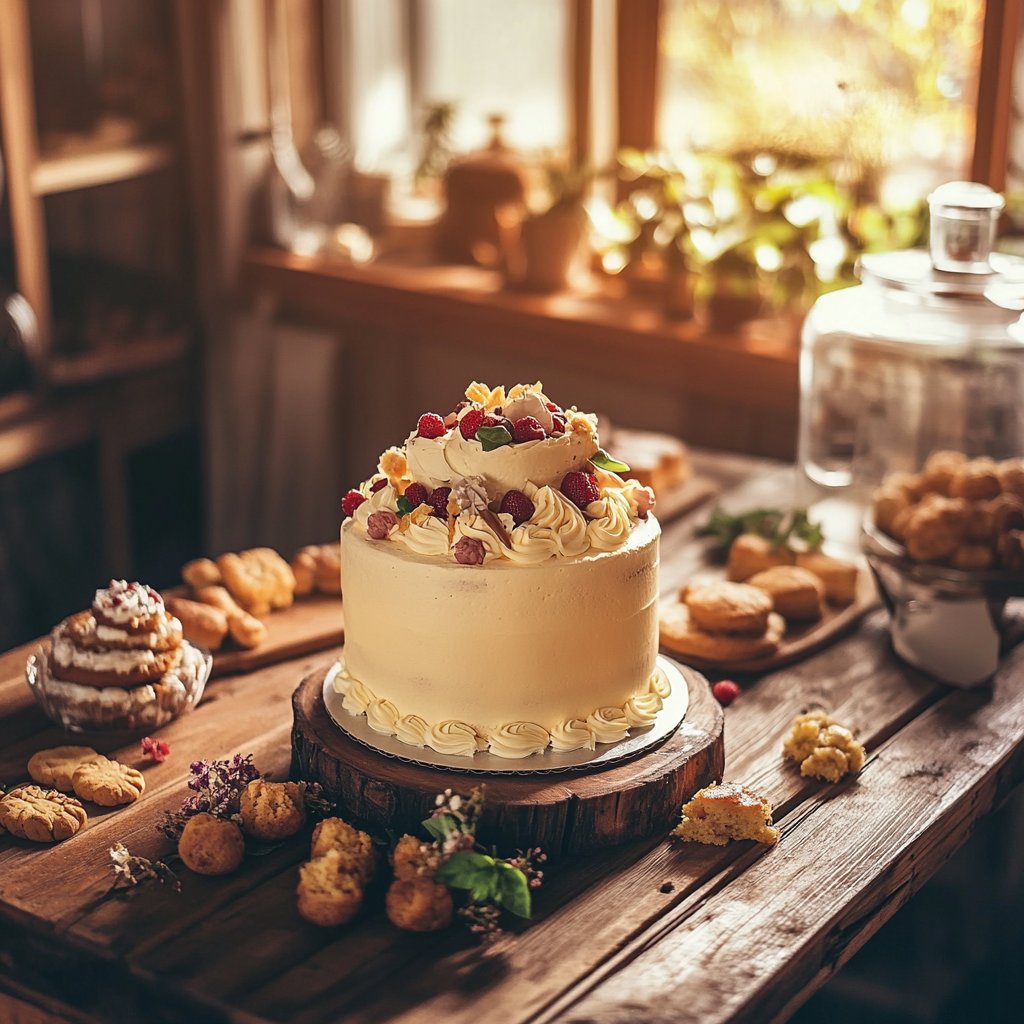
x: 717, y: 814
x: 823, y: 748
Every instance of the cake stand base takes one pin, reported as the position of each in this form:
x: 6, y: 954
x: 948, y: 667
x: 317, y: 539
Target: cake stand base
x: 570, y: 813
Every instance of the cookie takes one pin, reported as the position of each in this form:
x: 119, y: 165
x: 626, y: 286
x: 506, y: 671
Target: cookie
x: 976, y: 480
x: 54, y: 767
x: 106, y: 665
x: 939, y: 470
x: 108, y: 783
x: 272, y: 810
x: 211, y: 846
x: 681, y: 635
x: 203, y: 624
x: 42, y: 815
x: 796, y: 593
x: 751, y: 554
x: 729, y: 608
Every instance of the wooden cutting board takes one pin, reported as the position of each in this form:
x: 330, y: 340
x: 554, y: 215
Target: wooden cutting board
x: 798, y: 641
x: 676, y: 501
x: 312, y: 624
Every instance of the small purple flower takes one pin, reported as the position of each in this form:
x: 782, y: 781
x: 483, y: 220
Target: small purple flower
x: 469, y: 551
x: 381, y: 523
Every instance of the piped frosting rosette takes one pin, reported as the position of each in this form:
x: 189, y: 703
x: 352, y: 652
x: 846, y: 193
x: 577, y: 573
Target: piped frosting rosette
x: 509, y: 477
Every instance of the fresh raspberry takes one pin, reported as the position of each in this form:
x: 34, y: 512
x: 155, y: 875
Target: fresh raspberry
x: 527, y: 429
x: 351, y: 502
x: 518, y: 506
x: 557, y: 423
x: 725, y: 691
x: 580, y: 488
x: 471, y: 422
x: 379, y: 485
x: 430, y: 425
x: 439, y: 499
x: 381, y: 523
x: 415, y: 494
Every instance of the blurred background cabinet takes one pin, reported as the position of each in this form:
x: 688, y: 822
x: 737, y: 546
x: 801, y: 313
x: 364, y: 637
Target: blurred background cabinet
x: 100, y: 465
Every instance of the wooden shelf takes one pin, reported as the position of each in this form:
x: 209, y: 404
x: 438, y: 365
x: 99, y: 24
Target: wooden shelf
x: 118, y: 361
x: 68, y: 172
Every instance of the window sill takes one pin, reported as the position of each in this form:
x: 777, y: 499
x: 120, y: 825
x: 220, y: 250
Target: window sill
x: 458, y: 305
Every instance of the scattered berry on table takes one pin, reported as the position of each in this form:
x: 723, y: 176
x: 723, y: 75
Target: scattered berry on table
x: 725, y: 691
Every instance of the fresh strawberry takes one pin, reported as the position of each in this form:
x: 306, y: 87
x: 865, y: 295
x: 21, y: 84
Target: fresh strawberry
x: 439, y: 499
x: 557, y: 423
x: 430, y: 425
x: 415, y: 494
x: 580, y: 488
x: 518, y: 506
x: 527, y: 429
x: 471, y: 422
x: 351, y: 502
x: 725, y: 691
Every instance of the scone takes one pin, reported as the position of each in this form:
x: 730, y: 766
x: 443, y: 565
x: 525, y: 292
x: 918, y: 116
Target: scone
x: 729, y: 608
x: 728, y: 811
x: 328, y: 893
x: 838, y: 577
x: 823, y: 748
x: 418, y: 905
x: 355, y: 847
x: 210, y: 845
x: 680, y: 634
x: 272, y: 810
x: 751, y: 553
x: 796, y: 593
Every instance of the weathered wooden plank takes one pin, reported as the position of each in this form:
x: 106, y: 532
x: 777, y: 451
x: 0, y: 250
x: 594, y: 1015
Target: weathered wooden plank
x: 848, y: 860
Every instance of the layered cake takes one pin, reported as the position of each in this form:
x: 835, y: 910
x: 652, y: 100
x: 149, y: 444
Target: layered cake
x: 123, y: 662
x: 501, y: 584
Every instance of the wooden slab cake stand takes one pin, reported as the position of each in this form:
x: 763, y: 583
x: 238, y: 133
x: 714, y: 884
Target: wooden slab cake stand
x: 565, y: 813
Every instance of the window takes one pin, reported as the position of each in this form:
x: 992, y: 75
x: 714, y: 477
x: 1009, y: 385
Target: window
x: 886, y: 88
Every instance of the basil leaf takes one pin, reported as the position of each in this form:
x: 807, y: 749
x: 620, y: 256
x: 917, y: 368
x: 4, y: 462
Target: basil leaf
x: 405, y: 506
x: 513, y: 891
x: 604, y: 461
x: 473, y: 871
x: 440, y: 825
x: 493, y: 437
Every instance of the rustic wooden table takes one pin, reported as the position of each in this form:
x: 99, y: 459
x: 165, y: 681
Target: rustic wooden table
x: 653, y: 931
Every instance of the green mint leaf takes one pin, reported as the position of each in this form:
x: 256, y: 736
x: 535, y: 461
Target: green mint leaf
x: 776, y: 525
x: 513, y: 890
x: 440, y: 825
x: 602, y: 460
x: 493, y: 437
x: 473, y: 871
x: 405, y: 506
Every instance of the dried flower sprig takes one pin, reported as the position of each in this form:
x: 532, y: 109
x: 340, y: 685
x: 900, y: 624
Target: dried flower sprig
x: 130, y: 871
x: 317, y: 803
x: 217, y: 787
x: 492, y: 883
x: 155, y: 750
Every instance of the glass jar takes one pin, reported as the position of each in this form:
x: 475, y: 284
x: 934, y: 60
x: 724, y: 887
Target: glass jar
x: 927, y: 353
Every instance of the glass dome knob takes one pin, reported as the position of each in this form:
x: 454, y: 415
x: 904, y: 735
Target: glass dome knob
x: 964, y: 215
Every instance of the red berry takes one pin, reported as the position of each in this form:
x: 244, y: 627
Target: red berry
x: 351, y: 502
x: 415, y: 494
x: 580, y: 488
x: 551, y: 407
x: 471, y: 422
x: 439, y: 499
x: 379, y: 485
x: 557, y: 423
x: 725, y: 691
x: 527, y: 429
x: 430, y: 425
x: 497, y: 421
x: 518, y: 506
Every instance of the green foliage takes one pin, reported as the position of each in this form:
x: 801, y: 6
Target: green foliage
x: 791, y: 527
x: 602, y: 460
x: 493, y: 437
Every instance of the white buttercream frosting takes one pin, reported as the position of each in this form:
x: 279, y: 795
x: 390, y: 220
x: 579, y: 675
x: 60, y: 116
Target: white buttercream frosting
x: 518, y: 739
x: 124, y: 603
x: 428, y: 537
x: 454, y: 737
x: 611, y: 521
x: 573, y: 735
x: 123, y: 662
x: 609, y: 725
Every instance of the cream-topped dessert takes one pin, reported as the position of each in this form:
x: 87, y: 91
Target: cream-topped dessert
x: 500, y: 584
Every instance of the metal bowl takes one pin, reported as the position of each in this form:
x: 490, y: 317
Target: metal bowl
x: 949, y: 622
